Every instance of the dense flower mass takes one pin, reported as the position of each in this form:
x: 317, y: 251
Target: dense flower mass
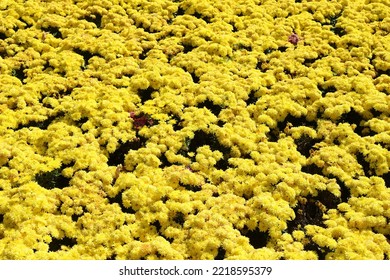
x: 194, y: 129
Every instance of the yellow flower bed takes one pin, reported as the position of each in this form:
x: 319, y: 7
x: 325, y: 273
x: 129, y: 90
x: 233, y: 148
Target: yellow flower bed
x: 194, y: 129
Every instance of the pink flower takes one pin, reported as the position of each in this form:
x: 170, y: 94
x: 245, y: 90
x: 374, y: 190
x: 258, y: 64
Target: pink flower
x: 293, y: 39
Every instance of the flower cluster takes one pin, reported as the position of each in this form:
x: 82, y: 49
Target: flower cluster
x: 194, y: 129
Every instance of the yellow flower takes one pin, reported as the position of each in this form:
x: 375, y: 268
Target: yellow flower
x: 299, y: 235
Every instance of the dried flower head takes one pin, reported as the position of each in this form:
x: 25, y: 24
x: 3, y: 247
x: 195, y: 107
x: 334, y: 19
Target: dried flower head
x: 293, y: 39
x: 140, y: 120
